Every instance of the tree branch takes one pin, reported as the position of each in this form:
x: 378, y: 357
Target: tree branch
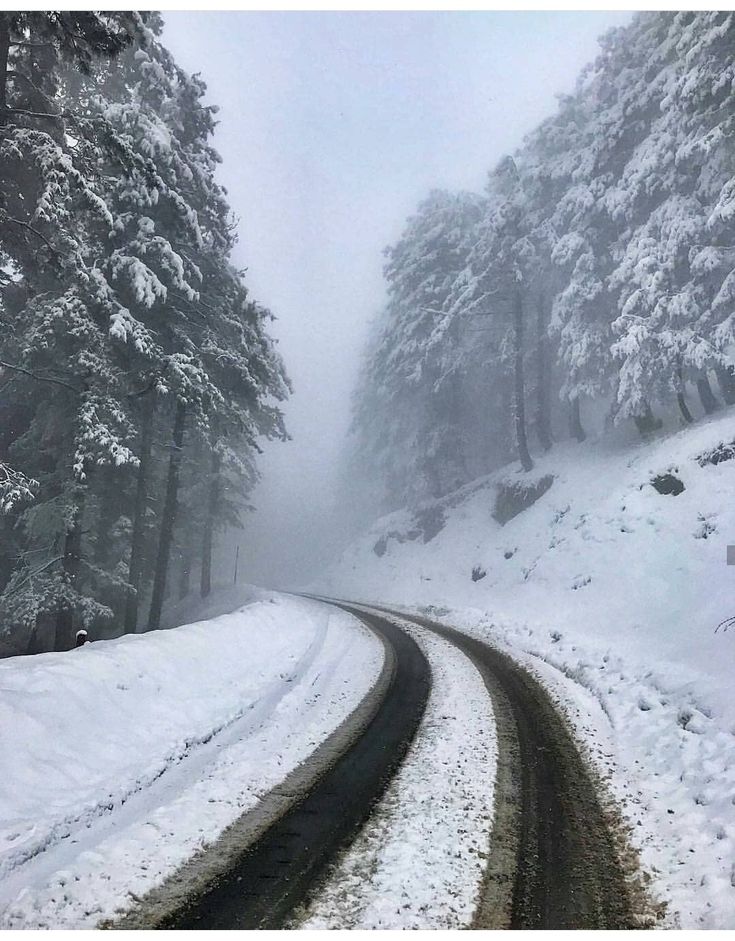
x: 26, y: 225
x: 12, y: 74
x: 34, y: 114
x: 33, y: 574
x: 32, y: 375
x: 30, y: 45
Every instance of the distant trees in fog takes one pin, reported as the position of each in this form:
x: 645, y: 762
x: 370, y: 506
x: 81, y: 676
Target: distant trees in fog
x: 597, y: 266
x: 136, y: 370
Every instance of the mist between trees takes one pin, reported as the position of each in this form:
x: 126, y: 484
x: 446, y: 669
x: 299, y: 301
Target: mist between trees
x: 136, y: 371
x: 594, y: 276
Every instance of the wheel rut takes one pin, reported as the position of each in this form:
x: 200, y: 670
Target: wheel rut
x: 280, y: 870
x: 554, y: 860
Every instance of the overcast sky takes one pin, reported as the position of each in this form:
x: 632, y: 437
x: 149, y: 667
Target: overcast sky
x: 333, y: 126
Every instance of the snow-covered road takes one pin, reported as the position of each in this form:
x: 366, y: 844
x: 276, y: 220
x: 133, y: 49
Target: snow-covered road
x: 123, y: 758
x: 126, y: 759
x: 419, y: 861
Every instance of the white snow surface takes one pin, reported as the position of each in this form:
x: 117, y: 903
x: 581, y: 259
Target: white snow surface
x: 419, y: 861
x: 615, y: 593
x: 123, y: 758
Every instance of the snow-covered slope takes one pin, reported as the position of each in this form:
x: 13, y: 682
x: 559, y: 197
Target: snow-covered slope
x: 123, y: 758
x: 621, y: 589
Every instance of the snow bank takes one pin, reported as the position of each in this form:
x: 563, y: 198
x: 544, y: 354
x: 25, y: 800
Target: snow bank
x: 123, y: 758
x: 419, y: 861
x: 621, y: 589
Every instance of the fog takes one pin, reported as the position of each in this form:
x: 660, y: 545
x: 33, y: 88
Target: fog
x: 332, y: 127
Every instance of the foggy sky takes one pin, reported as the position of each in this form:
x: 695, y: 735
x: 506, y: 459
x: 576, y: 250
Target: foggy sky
x: 333, y: 126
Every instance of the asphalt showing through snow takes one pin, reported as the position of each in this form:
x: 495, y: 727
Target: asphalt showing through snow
x: 554, y: 859
x: 279, y: 870
x: 554, y: 863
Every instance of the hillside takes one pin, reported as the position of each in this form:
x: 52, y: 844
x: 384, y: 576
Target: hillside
x: 613, y: 591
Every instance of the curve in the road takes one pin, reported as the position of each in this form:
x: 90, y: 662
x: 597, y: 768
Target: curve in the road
x: 280, y: 870
x: 553, y: 861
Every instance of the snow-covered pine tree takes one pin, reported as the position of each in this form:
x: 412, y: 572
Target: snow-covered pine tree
x: 704, y: 102
x: 664, y: 259
x: 114, y: 308
x: 494, y: 292
x: 409, y: 415
x: 49, y: 208
x: 176, y: 238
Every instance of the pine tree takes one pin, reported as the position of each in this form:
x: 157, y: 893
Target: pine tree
x: 123, y: 314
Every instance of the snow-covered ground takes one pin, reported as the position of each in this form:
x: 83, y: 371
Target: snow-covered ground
x: 123, y: 758
x: 615, y: 592
x: 419, y: 861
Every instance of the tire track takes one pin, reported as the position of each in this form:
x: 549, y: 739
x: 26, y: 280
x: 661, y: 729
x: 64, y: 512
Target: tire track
x: 554, y: 858
x: 281, y: 867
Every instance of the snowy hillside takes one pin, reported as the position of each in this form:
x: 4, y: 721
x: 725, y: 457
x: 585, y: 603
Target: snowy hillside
x: 613, y: 592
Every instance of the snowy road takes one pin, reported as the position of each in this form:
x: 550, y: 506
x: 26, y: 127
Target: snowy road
x: 491, y: 819
x: 393, y: 774
x: 554, y: 857
x: 123, y: 759
x: 556, y: 860
x: 279, y: 870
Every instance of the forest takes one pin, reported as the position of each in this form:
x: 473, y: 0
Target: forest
x: 592, y: 283
x: 137, y: 372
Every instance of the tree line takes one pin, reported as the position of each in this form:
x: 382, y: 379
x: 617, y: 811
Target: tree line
x: 137, y: 372
x: 593, y: 278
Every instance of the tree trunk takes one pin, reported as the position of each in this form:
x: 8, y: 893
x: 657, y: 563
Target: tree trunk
x: 209, y: 521
x: 137, y: 544
x: 190, y: 526
x: 168, y: 520
x: 726, y: 382
x: 43, y: 634
x: 106, y: 593
x: 519, y: 388
x: 684, y: 408
x: 186, y: 557
x: 706, y: 395
x: 543, y: 381
x: 106, y: 516
x: 505, y: 422
x: 575, y: 420
x: 681, y: 395
x: 4, y: 52
x: 70, y: 566
x: 646, y: 422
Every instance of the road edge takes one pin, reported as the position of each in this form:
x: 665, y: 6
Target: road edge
x: 198, y: 873
x: 494, y: 908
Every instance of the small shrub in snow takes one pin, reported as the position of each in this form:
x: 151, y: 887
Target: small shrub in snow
x: 722, y: 452
x: 705, y: 529
x: 478, y: 572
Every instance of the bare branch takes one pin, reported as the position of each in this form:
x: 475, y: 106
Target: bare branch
x: 34, y: 114
x: 4, y: 217
x: 32, y: 375
x: 30, y: 45
x: 12, y: 74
